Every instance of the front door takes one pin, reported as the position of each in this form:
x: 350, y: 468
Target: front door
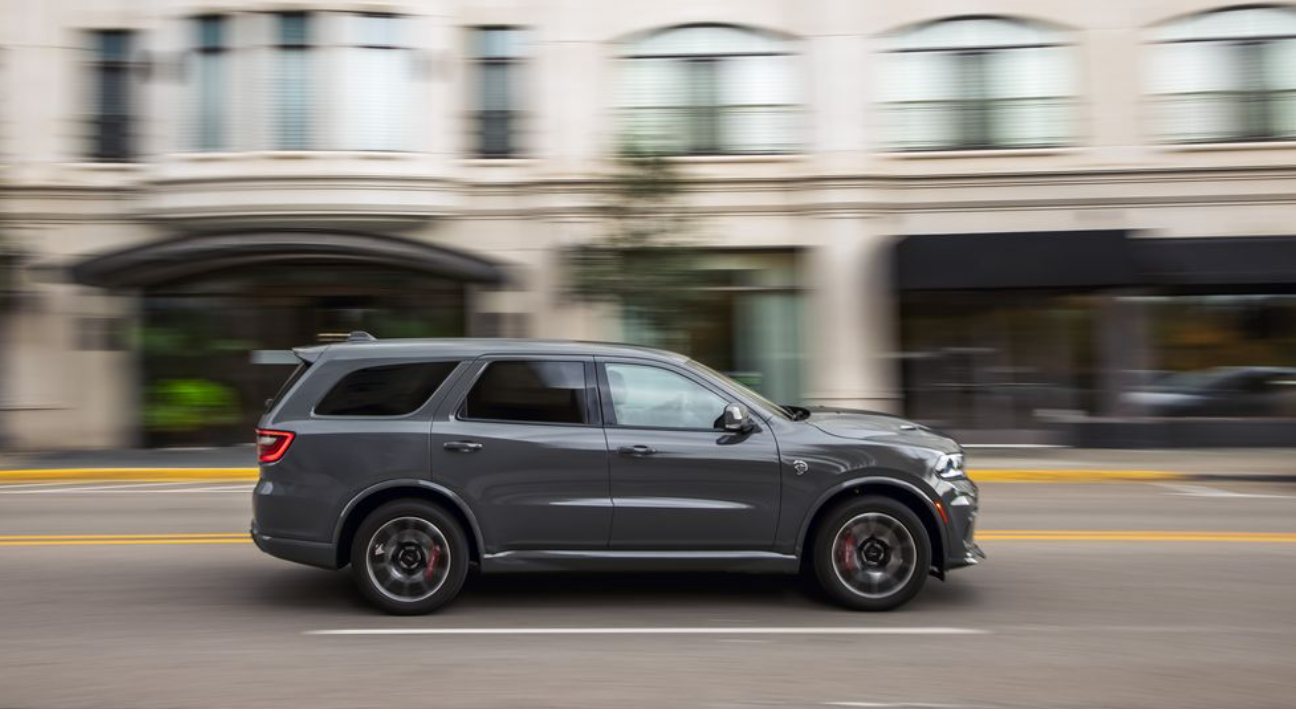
x: 678, y: 480
x: 522, y: 442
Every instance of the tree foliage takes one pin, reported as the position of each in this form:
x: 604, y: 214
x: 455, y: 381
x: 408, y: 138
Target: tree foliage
x: 641, y: 261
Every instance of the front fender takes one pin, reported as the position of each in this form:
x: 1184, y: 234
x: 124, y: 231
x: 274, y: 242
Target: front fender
x: 909, y: 489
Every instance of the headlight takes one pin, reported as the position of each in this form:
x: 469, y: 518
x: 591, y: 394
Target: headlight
x: 950, y: 466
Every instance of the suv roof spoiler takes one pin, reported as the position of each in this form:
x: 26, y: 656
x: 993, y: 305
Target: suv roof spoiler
x: 309, y: 354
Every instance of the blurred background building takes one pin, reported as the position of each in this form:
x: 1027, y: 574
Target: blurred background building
x: 1047, y: 222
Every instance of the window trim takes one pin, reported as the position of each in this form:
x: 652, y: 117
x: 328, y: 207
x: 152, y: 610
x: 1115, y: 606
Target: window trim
x: 609, y: 412
x: 593, y: 397
x: 451, y: 378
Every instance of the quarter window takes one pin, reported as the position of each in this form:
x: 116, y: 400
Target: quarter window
x: 657, y: 398
x: 530, y: 392
x: 391, y: 390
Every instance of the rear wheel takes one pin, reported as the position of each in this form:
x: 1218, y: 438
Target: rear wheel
x: 409, y: 557
x: 872, y: 554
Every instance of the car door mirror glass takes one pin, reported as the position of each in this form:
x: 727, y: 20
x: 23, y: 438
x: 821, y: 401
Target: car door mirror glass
x: 736, y: 418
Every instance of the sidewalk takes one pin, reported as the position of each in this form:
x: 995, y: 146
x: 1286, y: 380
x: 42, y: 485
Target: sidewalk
x: 984, y: 464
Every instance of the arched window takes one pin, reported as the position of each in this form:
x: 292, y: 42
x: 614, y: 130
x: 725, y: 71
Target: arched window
x: 1227, y: 75
x: 977, y: 83
x: 707, y: 90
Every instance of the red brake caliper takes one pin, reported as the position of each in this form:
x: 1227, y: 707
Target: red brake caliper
x: 848, y: 552
x: 432, y: 560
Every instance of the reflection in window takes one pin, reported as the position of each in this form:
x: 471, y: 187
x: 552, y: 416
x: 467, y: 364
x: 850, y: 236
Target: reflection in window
x: 293, y: 82
x: 498, y: 57
x: 709, y: 90
x: 376, y: 73
x: 112, y: 109
x: 1227, y: 76
x: 978, y: 83
x: 657, y: 398
x: 211, y: 84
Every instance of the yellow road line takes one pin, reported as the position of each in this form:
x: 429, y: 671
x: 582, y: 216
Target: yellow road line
x: 178, y: 475
x: 1006, y: 475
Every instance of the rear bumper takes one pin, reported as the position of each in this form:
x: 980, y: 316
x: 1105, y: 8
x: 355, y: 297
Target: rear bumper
x: 320, y: 554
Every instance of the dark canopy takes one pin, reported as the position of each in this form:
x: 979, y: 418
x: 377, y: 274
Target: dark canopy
x: 1049, y: 259
x: 1218, y: 261
x: 162, y: 262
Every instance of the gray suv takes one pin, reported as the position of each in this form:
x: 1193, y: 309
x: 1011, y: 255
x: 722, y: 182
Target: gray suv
x: 411, y: 460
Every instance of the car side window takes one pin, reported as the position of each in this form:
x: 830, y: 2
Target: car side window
x: 389, y: 390
x: 649, y: 396
x: 529, y: 392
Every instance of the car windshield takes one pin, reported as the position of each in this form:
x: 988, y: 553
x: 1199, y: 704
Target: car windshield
x: 776, y: 409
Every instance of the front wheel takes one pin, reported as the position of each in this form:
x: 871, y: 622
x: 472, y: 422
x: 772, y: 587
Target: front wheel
x: 872, y: 554
x: 409, y: 557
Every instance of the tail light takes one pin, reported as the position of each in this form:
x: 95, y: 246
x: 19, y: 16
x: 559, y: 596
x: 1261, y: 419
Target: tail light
x: 271, y: 445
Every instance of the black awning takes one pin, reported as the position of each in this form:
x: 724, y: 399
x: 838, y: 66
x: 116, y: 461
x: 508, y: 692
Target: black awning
x: 1217, y: 261
x: 162, y: 262
x: 1078, y: 260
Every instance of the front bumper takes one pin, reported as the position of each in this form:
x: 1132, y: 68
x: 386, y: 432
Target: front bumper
x: 321, y: 554
x: 961, y: 499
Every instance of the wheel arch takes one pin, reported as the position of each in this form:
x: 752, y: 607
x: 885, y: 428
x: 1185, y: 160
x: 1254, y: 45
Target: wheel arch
x: 370, y: 499
x: 908, y: 494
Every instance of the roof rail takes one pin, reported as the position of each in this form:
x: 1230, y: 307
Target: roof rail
x: 360, y: 336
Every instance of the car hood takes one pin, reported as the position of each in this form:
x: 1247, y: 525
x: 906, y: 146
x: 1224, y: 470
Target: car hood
x: 860, y: 424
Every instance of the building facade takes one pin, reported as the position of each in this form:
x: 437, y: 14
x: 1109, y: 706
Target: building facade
x: 1006, y: 223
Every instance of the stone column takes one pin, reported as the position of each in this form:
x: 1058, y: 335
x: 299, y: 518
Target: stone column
x: 851, y: 339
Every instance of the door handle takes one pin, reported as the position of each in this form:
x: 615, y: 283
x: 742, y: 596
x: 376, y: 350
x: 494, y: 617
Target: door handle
x: 636, y: 451
x: 463, y: 446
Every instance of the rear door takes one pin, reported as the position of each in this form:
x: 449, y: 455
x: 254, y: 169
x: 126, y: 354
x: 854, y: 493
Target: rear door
x: 522, y: 442
x: 679, y: 482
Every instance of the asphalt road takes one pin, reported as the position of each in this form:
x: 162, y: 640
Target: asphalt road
x: 1122, y: 622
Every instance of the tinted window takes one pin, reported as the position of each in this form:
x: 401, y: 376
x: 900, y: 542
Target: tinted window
x: 650, y: 396
x: 544, y: 392
x: 392, y: 390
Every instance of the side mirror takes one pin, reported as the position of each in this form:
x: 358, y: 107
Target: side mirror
x: 736, y: 418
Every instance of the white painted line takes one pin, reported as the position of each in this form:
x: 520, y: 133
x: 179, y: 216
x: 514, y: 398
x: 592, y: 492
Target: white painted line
x: 779, y: 630
x: 11, y: 486
x: 1204, y: 491
x: 111, y: 487
x: 896, y: 705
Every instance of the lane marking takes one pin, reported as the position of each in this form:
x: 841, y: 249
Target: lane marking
x: 1151, y: 535
x: 140, y: 474
x: 773, y: 630
x: 1078, y: 475
x: 1204, y: 491
x: 898, y: 705
x: 40, y: 540
x: 130, y: 488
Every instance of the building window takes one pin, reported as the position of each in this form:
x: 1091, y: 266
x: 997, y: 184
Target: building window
x: 377, y: 77
x: 211, y: 79
x: 497, y: 53
x: 1227, y: 76
x: 294, y: 85
x: 978, y: 83
x: 709, y: 90
x: 112, y: 87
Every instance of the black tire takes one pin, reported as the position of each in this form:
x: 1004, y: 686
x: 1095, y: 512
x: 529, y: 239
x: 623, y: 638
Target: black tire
x: 877, y: 572
x: 417, y: 549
